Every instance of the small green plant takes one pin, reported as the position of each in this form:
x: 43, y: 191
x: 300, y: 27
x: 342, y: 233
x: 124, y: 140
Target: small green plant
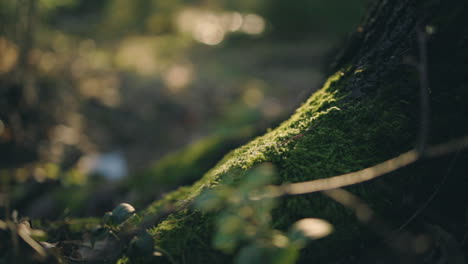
x: 244, y: 218
x: 120, y: 214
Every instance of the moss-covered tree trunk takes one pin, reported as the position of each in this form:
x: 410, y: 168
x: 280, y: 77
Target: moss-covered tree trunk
x: 368, y: 111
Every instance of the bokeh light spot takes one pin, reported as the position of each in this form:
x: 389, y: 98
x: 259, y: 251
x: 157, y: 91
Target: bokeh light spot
x: 314, y: 228
x: 178, y: 77
x: 8, y: 55
x: 253, y: 24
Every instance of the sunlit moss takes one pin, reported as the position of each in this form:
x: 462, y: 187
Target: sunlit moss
x: 123, y: 260
x: 327, y: 135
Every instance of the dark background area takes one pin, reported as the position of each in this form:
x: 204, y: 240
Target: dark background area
x: 95, y: 94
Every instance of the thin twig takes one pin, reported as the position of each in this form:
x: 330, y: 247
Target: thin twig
x: 373, y: 172
x: 23, y: 232
x: 353, y: 177
x: 349, y: 200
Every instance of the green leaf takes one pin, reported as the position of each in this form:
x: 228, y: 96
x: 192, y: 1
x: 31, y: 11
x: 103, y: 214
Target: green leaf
x: 287, y: 255
x: 251, y: 255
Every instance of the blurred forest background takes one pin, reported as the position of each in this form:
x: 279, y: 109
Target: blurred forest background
x: 96, y: 96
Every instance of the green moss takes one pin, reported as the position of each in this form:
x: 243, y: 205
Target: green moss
x: 123, y: 260
x: 336, y: 136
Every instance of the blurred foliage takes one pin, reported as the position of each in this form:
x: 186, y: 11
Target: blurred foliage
x: 244, y: 223
x: 80, y: 78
